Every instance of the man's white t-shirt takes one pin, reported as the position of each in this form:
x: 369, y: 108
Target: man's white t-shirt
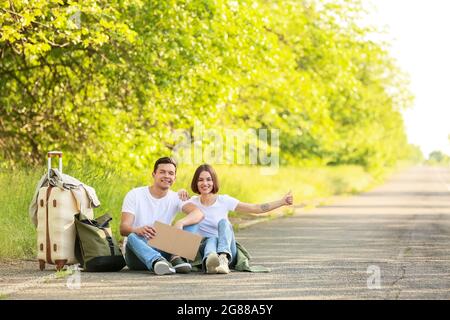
x: 214, y: 213
x: 148, y: 209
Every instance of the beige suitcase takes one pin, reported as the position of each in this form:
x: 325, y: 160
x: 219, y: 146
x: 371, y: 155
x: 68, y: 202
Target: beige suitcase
x: 56, y: 228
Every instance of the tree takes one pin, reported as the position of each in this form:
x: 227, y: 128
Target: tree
x: 438, y: 156
x: 110, y: 81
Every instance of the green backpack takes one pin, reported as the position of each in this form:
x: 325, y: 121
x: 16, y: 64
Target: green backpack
x: 96, y: 249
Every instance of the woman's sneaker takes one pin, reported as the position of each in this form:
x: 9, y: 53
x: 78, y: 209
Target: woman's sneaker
x: 212, y: 262
x: 223, y: 264
x: 162, y: 266
x: 180, y: 265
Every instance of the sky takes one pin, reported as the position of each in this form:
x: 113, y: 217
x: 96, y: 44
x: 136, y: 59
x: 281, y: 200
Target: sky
x: 419, y: 31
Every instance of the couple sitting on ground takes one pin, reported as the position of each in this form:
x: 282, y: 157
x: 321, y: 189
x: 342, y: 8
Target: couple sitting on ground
x: 206, y: 214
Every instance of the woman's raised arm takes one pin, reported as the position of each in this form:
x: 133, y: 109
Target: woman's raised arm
x: 243, y: 207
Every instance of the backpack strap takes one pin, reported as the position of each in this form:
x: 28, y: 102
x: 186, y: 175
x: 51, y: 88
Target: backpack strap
x: 110, y: 241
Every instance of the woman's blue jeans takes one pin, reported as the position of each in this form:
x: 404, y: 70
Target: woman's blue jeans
x: 223, y: 243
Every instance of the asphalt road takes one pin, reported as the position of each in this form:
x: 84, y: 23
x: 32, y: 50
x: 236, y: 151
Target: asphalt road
x: 399, y: 232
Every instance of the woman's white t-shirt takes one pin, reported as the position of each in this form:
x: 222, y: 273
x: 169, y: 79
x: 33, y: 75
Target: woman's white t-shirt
x: 214, y: 213
x: 147, y: 209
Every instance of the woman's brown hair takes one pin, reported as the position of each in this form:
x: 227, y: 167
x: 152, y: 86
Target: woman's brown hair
x: 212, y: 172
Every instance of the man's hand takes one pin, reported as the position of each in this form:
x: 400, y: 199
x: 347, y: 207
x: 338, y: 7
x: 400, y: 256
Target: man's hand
x: 183, y: 195
x: 146, y: 231
x: 288, y: 199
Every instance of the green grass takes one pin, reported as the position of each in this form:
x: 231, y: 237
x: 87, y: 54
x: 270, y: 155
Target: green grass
x: 63, y: 273
x: 18, y: 235
x: 4, y: 297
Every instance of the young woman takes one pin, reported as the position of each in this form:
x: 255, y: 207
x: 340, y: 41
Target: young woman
x: 219, y: 249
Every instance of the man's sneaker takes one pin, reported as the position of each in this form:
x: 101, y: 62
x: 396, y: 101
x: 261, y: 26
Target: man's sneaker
x: 162, y: 266
x: 212, y: 262
x: 180, y: 265
x: 223, y: 264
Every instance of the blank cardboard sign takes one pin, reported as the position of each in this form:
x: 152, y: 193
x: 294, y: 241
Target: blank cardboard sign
x: 175, y: 241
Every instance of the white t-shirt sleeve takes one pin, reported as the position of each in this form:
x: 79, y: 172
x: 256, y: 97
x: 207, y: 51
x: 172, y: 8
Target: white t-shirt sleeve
x: 179, y: 203
x: 192, y: 200
x: 230, y: 202
x: 129, y: 203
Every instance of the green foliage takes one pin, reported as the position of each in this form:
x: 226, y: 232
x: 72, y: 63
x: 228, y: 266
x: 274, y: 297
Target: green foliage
x: 414, y: 154
x: 17, y: 233
x: 109, y: 81
x: 438, y: 157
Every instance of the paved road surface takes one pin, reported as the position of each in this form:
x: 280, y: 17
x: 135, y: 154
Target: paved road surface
x: 401, y: 229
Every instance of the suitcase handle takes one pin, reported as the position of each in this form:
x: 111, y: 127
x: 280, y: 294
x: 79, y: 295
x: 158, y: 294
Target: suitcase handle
x: 54, y: 154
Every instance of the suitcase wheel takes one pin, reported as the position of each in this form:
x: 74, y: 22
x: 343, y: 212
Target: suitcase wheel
x: 60, y: 264
x: 41, y: 264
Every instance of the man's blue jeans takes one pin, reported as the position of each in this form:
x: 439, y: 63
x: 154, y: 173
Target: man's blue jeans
x: 140, y: 256
x: 224, y: 243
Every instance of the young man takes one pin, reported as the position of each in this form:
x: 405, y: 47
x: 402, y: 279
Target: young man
x: 142, y: 207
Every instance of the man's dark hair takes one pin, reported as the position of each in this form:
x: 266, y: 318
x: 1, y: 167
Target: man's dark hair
x: 212, y: 172
x: 164, y: 160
